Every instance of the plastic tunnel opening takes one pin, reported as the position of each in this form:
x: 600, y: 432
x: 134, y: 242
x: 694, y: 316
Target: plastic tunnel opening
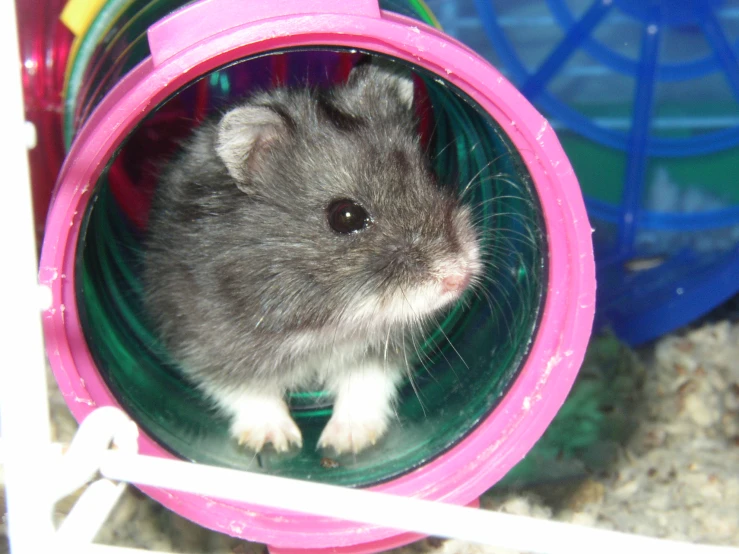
x: 465, y: 366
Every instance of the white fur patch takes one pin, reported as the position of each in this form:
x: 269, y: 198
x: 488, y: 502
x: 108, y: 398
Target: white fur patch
x: 364, y: 404
x: 418, y: 302
x: 260, y: 418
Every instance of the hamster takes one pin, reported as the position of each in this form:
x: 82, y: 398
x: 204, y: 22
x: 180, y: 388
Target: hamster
x: 295, y: 242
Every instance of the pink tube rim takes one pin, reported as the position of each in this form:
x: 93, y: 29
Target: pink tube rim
x: 463, y: 473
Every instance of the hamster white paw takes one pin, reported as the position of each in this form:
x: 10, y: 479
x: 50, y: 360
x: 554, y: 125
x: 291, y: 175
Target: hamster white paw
x: 262, y: 420
x: 362, y: 409
x: 352, y: 435
x: 281, y: 434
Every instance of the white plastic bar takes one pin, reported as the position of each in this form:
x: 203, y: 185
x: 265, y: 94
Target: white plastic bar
x: 82, y: 460
x: 24, y: 411
x: 407, y: 514
x: 52, y: 454
x: 90, y: 512
x: 102, y: 549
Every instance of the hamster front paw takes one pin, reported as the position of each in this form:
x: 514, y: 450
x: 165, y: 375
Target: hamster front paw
x: 254, y: 435
x: 362, y: 410
x: 348, y: 434
x: 260, y: 420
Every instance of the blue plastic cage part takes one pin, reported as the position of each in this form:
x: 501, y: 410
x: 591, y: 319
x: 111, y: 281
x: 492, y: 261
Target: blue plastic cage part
x: 644, y: 95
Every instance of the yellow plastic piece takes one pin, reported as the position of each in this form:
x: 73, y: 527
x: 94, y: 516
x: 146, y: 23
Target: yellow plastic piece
x: 77, y: 15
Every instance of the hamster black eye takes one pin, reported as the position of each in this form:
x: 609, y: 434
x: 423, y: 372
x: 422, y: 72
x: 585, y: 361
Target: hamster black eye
x: 346, y: 216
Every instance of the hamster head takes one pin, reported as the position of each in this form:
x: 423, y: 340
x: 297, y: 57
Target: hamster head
x: 357, y: 234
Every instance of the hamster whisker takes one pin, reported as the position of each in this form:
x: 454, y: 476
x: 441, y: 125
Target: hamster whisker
x: 490, y: 301
x: 523, y: 238
x: 504, y: 197
x: 514, y: 181
x: 411, y: 379
x: 452, y: 345
x: 451, y: 366
x: 418, y: 321
x: 440, y: 152
x: 507, y: 178
x: 502, y: 178
x: 482, y: 290
x: 504, y: 255
x: 502, y: 252
x: 256, y: 457
x: 419, y: 352
x: 420, y: 355
x: 497, y: 283
x: 431, y: 141
x: 523, y: 219
x: 475, y: 176
x: 387, y: 341
x: 498, y: 198
x: 508, y: 235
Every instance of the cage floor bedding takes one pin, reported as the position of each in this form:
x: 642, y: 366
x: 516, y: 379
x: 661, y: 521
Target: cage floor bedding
x: 657, y: 453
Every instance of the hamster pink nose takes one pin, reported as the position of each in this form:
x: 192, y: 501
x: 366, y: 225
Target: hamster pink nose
x: 456, y: 282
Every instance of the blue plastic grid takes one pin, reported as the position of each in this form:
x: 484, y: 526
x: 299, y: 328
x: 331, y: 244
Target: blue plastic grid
x: 666, y: 252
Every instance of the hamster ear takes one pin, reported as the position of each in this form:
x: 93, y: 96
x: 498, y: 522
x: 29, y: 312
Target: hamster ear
x: 244, y: 134
x: 382, y: 77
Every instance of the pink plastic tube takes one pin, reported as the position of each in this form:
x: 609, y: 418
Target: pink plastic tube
x: 210, y: 33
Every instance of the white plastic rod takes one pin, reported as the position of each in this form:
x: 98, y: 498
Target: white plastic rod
x: 90, y: 512
x: 82, y: 460
x: 65, y: 548
x: 52, y: 455
x: 407, y: 514
x: 24, y: 409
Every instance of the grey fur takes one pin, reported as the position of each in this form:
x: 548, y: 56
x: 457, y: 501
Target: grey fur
x: 243, y: 275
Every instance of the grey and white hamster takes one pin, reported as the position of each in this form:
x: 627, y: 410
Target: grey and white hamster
x: 294, y: 243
